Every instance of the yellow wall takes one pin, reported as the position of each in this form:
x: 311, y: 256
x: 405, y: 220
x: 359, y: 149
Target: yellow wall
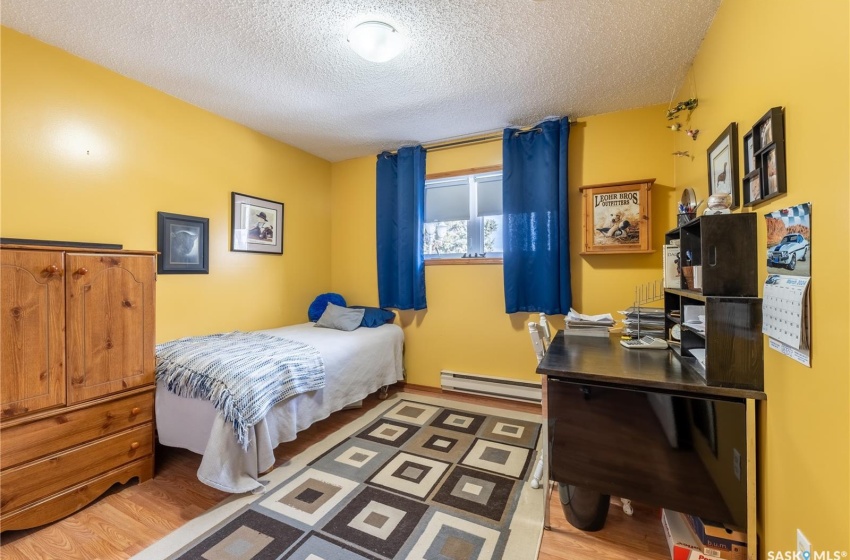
x: 89, y: 155
x: 757, y: 55
x: 465, y: 327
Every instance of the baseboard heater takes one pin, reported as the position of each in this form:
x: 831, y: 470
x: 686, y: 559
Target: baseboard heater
x: 485, y: 385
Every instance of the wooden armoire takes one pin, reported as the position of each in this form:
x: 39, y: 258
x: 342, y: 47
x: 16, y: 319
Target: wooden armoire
x: 76, y: 377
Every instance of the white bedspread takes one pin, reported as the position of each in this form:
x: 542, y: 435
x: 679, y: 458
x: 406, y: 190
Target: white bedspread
x: 357, y: 363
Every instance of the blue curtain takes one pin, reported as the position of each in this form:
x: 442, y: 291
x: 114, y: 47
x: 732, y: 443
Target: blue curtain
x: 536, y: 223
x: 400, y: 215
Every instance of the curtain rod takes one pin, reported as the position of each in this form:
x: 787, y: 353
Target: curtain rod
x: 482, y: 138
x: 468, y: 141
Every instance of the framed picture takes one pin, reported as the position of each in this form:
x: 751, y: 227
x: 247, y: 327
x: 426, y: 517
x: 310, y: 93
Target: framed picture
x: 768, y: 159
x: 183, y: 244
x: 749, y: 153
x: 723, y: 164
x: 617, y: 217
x: 257, y: 225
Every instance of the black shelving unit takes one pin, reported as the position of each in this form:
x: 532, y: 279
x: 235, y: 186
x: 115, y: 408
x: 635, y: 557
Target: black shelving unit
x: 725, y: 247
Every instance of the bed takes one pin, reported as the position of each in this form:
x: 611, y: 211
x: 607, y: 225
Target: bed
x: 357, y: 363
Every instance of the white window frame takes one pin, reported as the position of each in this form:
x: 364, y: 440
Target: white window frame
x: 475, y: 224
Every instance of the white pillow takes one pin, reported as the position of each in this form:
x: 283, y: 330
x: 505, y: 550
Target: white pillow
x: 340, y: 318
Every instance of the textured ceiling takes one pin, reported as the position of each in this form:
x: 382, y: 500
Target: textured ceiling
x: 284, y: 68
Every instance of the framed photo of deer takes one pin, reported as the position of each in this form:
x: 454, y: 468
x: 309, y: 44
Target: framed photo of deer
x: 617, y: 217
x: 723, y: 165
x: 183, y: 244
x: 257, y: 225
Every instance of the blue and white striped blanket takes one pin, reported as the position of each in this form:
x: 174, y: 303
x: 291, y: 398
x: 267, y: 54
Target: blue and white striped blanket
x: 243, y: 374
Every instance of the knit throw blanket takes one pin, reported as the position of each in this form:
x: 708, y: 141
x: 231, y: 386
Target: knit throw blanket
x: 243, y: 374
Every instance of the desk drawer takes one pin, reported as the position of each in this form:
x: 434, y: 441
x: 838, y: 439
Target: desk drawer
x: 32, y: 440
x: 27, y: 483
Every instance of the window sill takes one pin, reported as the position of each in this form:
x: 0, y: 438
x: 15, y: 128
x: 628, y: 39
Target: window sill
x: 486, y: 260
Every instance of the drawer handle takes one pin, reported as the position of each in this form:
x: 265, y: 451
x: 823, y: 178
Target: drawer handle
x: 52, y: 270
x: 135, y: 411
x: 134, y: 445
x: 82, y: 271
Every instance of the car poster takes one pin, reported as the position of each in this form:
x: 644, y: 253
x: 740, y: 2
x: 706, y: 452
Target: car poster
x: 786, y: 302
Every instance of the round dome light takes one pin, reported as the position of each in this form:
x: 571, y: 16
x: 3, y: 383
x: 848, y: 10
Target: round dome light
x: 376, y: 41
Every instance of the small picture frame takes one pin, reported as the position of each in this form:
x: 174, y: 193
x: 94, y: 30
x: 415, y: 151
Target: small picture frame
x: 723, y: 164
x: 257, y: 225
x: 752, y: 187
x: 617, y: 218
x: 769, y: 158
x: 766, y: 131
x: 183, y: 244
x: 749, y: 153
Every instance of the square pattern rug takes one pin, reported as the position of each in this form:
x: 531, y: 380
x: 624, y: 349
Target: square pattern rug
x: 414, y: 478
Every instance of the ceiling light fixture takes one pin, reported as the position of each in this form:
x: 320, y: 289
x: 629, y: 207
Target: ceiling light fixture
x: 376, y: 41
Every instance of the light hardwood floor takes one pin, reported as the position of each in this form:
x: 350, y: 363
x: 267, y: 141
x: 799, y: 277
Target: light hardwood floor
x: 130, y: 518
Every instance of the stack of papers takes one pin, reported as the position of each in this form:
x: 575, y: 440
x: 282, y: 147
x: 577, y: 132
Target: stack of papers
x: 651, y: 321
x: 574, y: 318
x: 695, y: 325
x: 578, y: 324
x: 694, y: 317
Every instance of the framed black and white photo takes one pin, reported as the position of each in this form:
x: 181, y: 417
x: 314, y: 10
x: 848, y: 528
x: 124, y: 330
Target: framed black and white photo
x: 257, y: 225
x: 183, y: 244
x: 723, y: 164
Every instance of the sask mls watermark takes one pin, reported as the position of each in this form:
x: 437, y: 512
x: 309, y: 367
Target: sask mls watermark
x: 816, y: 555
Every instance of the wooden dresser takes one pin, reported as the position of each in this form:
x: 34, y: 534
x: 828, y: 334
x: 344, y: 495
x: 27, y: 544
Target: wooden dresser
x: 76, y: 377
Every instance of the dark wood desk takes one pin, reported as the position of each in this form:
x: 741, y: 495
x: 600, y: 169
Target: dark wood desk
x: 604, y: 433
x: 605, y: 362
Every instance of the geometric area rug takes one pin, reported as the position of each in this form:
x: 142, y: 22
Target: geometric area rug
x: 415, y: 478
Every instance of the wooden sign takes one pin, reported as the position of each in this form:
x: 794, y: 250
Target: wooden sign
x: 617, y: 218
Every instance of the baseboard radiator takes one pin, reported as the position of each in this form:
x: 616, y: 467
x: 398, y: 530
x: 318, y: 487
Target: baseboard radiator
x: 497, y: 387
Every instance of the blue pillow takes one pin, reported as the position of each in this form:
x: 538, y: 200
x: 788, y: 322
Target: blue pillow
x: 321, y: 302
x: 374, y: 316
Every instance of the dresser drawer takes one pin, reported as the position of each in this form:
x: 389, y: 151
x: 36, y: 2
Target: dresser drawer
x: 25, y: 442
x: 27, y: 483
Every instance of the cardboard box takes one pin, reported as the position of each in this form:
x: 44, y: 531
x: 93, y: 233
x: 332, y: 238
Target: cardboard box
x: 709, y: 530
x: 684, y: 544
x: 681, y: 541
x: 717, y: 540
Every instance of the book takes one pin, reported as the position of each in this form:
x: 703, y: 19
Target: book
x: 672, y: 277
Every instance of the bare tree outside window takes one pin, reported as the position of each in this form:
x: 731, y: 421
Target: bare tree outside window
x: 464, y: 216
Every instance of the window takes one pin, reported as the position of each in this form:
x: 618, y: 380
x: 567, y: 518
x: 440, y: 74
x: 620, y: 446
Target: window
x: 463, y: 216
